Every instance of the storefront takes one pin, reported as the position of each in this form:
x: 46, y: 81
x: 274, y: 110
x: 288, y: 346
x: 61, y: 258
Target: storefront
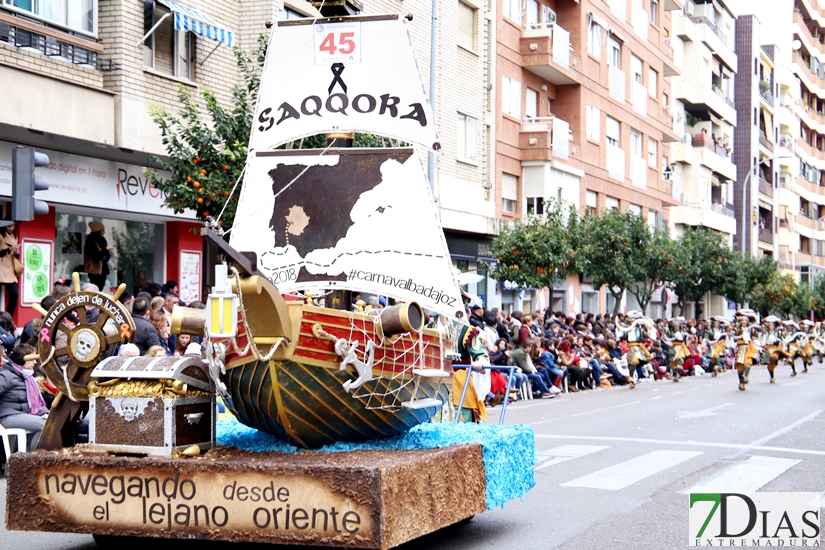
x: 471, y: 255
x: 150, y: 243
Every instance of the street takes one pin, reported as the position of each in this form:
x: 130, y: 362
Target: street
x: 614, y: 465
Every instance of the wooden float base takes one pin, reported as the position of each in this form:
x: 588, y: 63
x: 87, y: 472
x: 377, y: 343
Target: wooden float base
x: 358, y: 499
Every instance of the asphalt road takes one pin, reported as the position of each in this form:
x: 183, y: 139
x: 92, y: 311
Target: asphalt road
x: 613, y: 464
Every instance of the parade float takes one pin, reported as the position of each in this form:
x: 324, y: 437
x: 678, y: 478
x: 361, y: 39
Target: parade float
x: 339, y: 430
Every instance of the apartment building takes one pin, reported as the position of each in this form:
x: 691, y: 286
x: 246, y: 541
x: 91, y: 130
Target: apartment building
x: 803, y: 246
x: 80, y: 77
x: 762, y: 156
x: 704, y: 113
x: 583, y: 115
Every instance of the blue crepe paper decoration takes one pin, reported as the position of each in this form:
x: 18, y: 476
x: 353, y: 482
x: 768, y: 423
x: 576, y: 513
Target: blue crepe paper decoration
x: 508, y: 451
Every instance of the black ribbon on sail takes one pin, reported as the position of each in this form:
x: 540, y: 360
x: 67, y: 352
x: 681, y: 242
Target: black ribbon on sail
x: 337, y: 69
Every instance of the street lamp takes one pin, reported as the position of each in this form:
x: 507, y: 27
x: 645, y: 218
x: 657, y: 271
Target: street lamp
x: 745, y: 190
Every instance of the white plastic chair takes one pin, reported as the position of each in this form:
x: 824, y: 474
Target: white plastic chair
x: 20, y: 433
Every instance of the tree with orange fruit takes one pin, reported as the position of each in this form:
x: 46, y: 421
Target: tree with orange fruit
x: 205, y: 159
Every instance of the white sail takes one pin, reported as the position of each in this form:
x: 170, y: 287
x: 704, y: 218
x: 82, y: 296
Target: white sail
x: 357, y: 219
x: 353, y: 75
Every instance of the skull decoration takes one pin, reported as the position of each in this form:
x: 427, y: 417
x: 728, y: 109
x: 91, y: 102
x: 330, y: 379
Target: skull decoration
x: 128, y: 409
x: 86, y: 342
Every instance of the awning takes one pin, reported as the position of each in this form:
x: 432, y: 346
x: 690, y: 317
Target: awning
x: 187, y: 19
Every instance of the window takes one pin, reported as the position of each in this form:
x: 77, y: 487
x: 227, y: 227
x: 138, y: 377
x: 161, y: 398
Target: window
x: 652, y: 218
x: 466, y: 27
x: 665, y: 100
x: 512, y: 10
x: 612, y: 131
x: 591, y: 201
x: 531, y: 108
x: 532, y: 14
x: 287, y: 13
x: 636, y: 68
x: 509, y: 193
x: 77, y: 15
x: 510, y: 96
x: 665, y: 164
x: 635, y: 143
x: 652, y: 152
x: 614, y: 53
x: 167, y: 50
x: 611, y: 203
x: 654, y: 12
x: 466, y: 137
x: 635, y: 209
x: 534, y: 205
x: 653, y: 82
x: 594, y: 122
x: 594, y: 40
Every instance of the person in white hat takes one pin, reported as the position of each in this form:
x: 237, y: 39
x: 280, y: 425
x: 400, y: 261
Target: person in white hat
x: 717, y: 338
x: 747, y: 353
x: 797, y: 345
x: 676, y: 339
x: 774, y: 345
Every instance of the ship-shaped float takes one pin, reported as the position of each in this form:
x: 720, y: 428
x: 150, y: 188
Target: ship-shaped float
x: 312, y: 223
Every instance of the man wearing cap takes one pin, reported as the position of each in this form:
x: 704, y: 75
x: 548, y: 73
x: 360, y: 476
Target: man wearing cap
x: 96, y: 255
x: 476, y: 315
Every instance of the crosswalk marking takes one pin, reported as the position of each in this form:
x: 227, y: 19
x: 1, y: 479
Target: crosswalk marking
x: 745, y: 477
x: 632, y: 471
x: 557, y: 455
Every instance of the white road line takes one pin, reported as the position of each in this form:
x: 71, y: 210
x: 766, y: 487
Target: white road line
x: 774, y: 435
x: 557, y: 455
x: 746, y: 477
x: 655, y: 398
x: 677, y: 393
x: 632, y: 471
x: 556, y: 419
x: 685, y: 443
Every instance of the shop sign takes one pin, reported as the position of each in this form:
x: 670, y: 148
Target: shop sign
x: 98, y: 183
x: 189, y: 280
x: 36, y: 280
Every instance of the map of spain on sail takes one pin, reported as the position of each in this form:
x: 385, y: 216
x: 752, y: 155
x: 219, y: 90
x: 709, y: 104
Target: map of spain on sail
x: 360, y: 219
x: 315, y: 211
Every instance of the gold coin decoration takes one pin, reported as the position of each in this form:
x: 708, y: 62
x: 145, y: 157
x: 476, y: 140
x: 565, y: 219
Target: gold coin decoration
x: 144, y: 388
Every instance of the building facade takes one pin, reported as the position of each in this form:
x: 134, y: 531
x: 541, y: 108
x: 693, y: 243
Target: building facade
x: 81, y: 80
x: 583, y: 116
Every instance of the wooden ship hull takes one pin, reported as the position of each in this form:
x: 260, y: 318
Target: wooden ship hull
x: 299, y: 394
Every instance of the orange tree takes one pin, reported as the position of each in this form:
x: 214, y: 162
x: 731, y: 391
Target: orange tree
x: 540, y: 251
x: 205, y: 156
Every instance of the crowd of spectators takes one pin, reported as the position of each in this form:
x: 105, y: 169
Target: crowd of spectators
x: 555, y: 351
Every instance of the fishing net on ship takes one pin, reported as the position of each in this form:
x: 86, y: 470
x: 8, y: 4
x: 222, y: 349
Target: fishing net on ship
x: 399, y: 363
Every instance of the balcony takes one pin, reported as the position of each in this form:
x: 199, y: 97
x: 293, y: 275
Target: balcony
x: 714, y: 156
x: 546, y: 52
x: 638, y: 172
x: 615, y: 162
x: 764, y: 141
x: 765, y: 236
x: 765, y: 187
x: 616, y: 84
x: 716, y: 217
x: 725, y: 210
x: 704, y: 96
x: 767, y: 96
x: 701, y: 29
x: 638, y: 96
x: 548, y: 138
x: 805, y: 67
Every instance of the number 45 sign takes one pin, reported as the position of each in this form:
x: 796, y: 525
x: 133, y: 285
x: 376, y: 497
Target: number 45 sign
x: 338, y: 42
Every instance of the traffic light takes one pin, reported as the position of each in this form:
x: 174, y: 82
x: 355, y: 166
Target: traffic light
x: 24, y: 183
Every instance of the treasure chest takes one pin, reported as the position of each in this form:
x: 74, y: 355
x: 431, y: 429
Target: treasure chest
x: 151, y: 405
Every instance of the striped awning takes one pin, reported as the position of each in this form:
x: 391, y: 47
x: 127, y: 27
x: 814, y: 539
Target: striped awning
x: 187, y: 19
